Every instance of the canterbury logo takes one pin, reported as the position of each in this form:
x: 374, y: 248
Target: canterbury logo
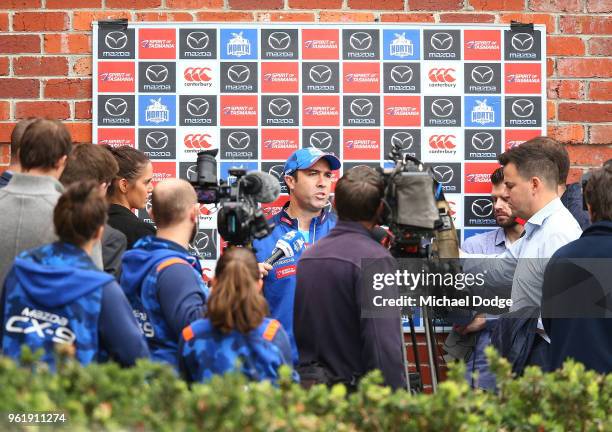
x: 200, y: 74
x: 442, y: 142
x: 442, y: 75
x: 197, y: 141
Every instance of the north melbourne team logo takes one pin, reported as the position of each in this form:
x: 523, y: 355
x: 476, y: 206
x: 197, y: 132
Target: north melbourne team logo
x: 483, y: 113
x: 401, y: 46
x: 238, y: 45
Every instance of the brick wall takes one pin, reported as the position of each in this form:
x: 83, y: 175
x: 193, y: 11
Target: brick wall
x: 45, y: 52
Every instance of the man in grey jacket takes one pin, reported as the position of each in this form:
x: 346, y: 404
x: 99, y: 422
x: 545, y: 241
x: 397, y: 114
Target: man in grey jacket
x: 27, y: 202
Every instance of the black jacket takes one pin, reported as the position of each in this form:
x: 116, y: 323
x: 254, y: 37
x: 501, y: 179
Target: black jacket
x: 114, y: 243
x: 572, y: 200
x: 122, y: 219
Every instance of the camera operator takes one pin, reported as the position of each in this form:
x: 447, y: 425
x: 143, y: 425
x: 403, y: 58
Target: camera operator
x: 308, y: 175
x: 235, y: 328
x: 162, y: 281
x: 336, y: 344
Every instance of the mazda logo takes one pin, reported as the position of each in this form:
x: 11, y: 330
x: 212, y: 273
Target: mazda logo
x: 116, y: 40
x: 321, y: 140
x: 238, y: 74
x: 361, y: 107
x: 523, y: 108
x: 238, y: 140
x: 522, y: 41
x: 402, y: 140
x: 482, y: 207
x: 483, y: 141
x: 482, y: 74
x: 277, y: 171
x: 279, y: 40
x: 116, y: 107
x: 442, y: 107
x: 149, y: 203
x: 360, y: 41
x: 156, y: 140
x: 441, y: 41
x: 320, y: 74
x: 198, y: 107
x: 401, y: 74
x: 279, y: 107
x: 192, y: 173
x: 157, y: 73
x: 200, y: 244
x: 197, y: 40
x: 443, y: 174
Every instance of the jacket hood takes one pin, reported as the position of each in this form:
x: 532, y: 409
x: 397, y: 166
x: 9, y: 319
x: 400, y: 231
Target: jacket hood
x: 57, y: 274
x: 148, y: 252
x: 598, y: 229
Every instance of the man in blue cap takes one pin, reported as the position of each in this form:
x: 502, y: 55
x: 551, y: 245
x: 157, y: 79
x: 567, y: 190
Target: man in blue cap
x: 308, y: 176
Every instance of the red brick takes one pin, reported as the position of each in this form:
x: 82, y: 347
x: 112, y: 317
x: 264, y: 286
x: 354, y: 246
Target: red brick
x: 585, y: 112
x: 82, y: 110
x: 580, y: 24
x: 376, y: 4
x: 81, y: 20
x: 224, y: 16
x: 599, y: 6
x: 555, y: 5
x: 19, y: 44
x: 584, y: 67
x: 194, y: 4
x: 551, y: 110
x: 164, y: 16
x: 284, y: 16
x: 5, y: 132
x: 82, y: 66
x: 40, y: 21
x: 332, y: 16
x: 600, y: 134
x: 466, y: 18
x: 66, y: 43
x: 4, y: 66
x: 67, y: 88
x: 315, y: 4
x: 255, y: 4
x: 20, y: 4
x: 407, y: 17
x: 589, y: 154
x: 40, y: 66
x: 80, y: 132
x: 76, y: 4
x: 134, y: 4
x: 567, y: 133
x: 5, y: 155
x: 55, y: 110
x: 565, y: 89
x: 546, y: 19
x: 495, y: 5
x: 435, y: 5
x: 600, y: 46
x: 574, y: 175
x: 600, y: 90
x: 4, y: 22
x: 5, y: 110
x: 550, y: 66
x: 19, y: 88
x: 564, y: 46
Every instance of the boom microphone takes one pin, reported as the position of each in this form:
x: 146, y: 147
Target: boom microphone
x: 287, y: 246
x: 262, y: 186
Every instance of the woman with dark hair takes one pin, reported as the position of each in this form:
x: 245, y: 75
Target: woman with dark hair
x: 235, y: 332
x: 56, y: 295
x: 128, y: 191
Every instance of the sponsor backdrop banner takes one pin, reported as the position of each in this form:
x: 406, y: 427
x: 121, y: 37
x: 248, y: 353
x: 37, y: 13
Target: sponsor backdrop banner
x: 454, y: 96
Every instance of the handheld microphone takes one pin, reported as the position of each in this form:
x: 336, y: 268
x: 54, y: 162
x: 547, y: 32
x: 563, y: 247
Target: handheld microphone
x: 287, y: 246
x: 262, y: 186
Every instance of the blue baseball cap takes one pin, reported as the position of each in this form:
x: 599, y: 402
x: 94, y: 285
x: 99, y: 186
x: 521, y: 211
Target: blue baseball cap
x: 307, y: 157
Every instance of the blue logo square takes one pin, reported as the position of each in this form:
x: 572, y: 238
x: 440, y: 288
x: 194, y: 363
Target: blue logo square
x: 226, y: 166
x: 156, y: 110
x: 400, y: 44
x: 482, y: 111
x: 239, y: 44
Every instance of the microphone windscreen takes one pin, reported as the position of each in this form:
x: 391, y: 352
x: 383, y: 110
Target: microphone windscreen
x: 291, y: 243
x: 270, y: 187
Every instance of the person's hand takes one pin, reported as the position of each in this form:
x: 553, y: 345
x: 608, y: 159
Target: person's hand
x: 264, y: 268
x: 478, y: 323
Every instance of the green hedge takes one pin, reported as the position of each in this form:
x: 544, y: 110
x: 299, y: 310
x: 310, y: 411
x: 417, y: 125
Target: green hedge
x: 150, y: 397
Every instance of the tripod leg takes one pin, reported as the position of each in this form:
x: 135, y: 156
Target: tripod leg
x: 431, y: 345
x: 404, y: 357
x: 419, y: 376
